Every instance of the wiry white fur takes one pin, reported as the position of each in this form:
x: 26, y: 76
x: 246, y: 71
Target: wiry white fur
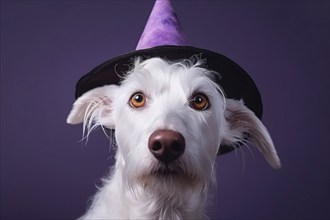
x: 136, y: 189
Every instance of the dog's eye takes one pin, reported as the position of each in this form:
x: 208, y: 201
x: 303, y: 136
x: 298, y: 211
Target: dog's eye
x: 199, y: 102
x: 137, y: 100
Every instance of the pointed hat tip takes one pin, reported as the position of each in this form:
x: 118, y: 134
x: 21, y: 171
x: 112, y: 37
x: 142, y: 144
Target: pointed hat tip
x: 162, y: 28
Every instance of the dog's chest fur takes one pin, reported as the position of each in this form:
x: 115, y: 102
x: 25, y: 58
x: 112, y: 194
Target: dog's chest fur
x: 115, y: 201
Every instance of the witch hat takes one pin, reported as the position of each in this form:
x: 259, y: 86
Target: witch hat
x: 163, y: 37
x: 162, y: 28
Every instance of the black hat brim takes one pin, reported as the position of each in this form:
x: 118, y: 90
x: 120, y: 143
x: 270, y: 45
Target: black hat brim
x: 235, y: 82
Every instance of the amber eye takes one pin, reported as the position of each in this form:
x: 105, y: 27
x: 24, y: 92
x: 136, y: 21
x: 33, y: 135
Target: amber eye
x: 199, y: 102
x: 137, y: 100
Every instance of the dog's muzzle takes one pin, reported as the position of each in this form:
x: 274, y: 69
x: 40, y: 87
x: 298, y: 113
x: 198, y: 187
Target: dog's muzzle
x: 166, y: 145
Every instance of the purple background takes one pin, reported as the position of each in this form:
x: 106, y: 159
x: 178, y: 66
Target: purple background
x: 46, y: 46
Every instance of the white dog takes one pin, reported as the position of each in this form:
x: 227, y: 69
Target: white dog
x: 169, y: 121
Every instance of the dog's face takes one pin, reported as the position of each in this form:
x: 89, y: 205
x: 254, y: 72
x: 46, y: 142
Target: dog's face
x: 159, y: 103
x: 169, y: 121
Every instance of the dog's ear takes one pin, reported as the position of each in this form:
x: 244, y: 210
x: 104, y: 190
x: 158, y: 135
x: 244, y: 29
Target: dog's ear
x: 94, y: 106
x: 243, y: 123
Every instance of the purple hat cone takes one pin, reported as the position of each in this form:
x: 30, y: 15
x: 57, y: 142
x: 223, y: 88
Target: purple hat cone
x: 162, y: 28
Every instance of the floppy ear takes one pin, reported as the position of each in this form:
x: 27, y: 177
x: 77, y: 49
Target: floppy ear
x: 241, y: 122
x: 94, y: 107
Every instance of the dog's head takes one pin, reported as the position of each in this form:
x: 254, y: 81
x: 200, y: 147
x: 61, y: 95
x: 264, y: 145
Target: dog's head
x: 170, y: 120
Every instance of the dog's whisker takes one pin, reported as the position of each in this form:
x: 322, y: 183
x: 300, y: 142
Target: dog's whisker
x: 242, y: 153
x: 246, y: 144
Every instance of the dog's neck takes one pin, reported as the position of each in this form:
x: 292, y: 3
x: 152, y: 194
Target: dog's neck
x: 153, y: 205
x: 150, y: 202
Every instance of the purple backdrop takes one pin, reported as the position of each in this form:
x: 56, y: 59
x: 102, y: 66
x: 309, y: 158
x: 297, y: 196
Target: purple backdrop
x: 47, y: 45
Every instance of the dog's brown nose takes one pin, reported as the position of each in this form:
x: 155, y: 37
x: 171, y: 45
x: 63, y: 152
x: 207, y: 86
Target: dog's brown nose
x: 166, y: 145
